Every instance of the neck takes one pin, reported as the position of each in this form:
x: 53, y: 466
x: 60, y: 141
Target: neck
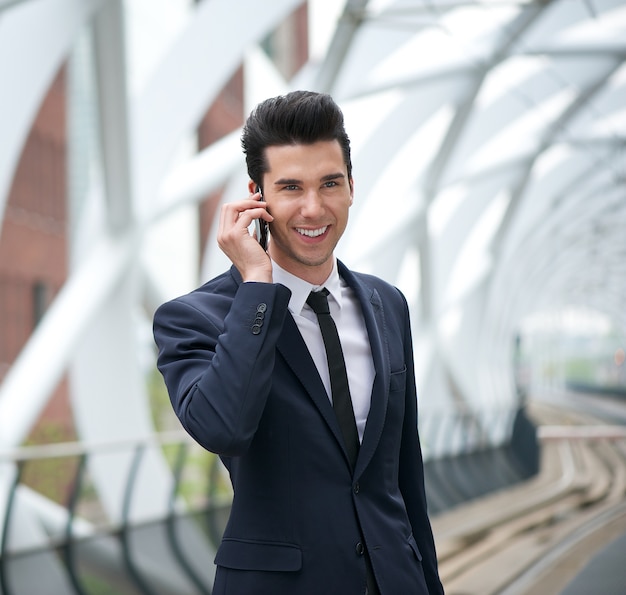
x: 313, y: 274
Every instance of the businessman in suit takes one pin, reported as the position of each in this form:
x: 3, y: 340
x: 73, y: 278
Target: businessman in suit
x: 328, y: 498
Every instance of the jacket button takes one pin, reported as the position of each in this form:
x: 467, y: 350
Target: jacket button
x: 357, y: 487
x: 256, y: 329
x: 261, y: 307
x: 360, y: 549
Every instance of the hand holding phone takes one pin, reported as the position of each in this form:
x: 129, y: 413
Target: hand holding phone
x: 261, y: 226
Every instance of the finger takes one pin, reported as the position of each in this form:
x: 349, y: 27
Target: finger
x: 237, y: 223
x: 232, y: 212
x: 244, y: 205
x: 228, y: 216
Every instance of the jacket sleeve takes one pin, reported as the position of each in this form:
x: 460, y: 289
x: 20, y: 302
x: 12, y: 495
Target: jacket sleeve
x: 216, y: 354
x: 411, y: 473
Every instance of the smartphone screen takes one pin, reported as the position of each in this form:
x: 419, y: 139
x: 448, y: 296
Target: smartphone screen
x: 261, y: 227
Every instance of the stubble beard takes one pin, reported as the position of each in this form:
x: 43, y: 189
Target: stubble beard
x: 293, y: 256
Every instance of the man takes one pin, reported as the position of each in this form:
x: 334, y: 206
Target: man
x: 320, y: 507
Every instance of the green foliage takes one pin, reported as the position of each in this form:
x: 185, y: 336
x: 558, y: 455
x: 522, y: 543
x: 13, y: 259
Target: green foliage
x: 580, y: 369
x: 97, y: 586
x: 198, y: 478
x: 163, y: 416
x: 51, y: 477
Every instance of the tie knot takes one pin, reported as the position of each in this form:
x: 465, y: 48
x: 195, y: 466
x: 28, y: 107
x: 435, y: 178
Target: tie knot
x: 318, y: 300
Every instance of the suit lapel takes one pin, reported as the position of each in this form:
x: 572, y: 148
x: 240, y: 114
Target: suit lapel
x: 374, y: 316
x: 294, y: 351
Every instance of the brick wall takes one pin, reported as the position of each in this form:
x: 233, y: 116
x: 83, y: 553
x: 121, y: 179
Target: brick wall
x: 33, y: 242
x: 288, y: 45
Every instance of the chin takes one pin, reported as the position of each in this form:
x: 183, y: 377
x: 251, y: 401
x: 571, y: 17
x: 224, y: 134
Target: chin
x: 316, y: 262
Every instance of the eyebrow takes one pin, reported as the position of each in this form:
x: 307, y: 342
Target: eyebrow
x: 326, y: 178
x: 330, y: 177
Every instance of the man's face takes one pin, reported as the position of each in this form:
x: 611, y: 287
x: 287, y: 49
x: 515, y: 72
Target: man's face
x: 308, y: 193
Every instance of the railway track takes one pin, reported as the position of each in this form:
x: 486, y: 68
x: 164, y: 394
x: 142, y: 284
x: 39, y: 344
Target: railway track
x: 533, y: 538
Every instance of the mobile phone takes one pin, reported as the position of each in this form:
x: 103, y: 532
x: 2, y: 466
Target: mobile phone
x: 261, y: 226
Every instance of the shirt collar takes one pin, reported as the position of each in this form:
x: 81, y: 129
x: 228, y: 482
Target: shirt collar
x: 300, y: 288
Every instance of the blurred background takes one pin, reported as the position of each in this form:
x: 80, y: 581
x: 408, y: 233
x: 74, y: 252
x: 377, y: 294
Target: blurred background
x: 488, y: 144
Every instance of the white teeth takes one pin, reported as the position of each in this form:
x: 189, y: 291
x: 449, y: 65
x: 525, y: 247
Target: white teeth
x: 312, y: 233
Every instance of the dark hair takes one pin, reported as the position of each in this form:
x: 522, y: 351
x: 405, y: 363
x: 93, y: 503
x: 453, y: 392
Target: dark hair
x: 300, y: 117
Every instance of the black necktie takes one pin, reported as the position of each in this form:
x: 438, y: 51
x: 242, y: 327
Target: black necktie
x: 342, y: 404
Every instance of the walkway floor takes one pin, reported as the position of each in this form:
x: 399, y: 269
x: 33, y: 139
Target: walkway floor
x: 604, y: 574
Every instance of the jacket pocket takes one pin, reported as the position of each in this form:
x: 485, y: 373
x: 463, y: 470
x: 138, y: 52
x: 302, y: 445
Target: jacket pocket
x: 397, y: 380
x: 258, y: 555
x: 414, y: 547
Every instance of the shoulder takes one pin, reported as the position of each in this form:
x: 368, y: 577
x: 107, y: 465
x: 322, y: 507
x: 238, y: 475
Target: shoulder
x: 389, y: 294
x: 213, y: 296
x: 215, y: 299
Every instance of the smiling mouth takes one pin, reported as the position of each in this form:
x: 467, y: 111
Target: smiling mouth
x: 312, y: 233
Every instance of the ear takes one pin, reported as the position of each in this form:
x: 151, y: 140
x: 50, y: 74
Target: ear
x: 351, y: 191
x: 252, y: 186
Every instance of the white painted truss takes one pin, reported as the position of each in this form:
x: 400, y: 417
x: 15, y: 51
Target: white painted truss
x: 488, y: 147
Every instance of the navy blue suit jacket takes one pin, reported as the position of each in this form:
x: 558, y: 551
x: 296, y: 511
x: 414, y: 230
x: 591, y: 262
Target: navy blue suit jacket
x: 244, y: 385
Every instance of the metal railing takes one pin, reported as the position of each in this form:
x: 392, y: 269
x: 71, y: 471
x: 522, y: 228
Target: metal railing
x: 112, y: 545
x: 84, y: 537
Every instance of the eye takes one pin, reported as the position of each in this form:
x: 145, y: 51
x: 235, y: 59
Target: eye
x: 290, y: 187
x: 330, y: 184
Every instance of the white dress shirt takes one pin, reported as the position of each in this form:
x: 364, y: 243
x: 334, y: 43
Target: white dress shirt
x: 346, y: 312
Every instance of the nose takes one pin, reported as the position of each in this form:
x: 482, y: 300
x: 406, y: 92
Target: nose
x: 312, y: 204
